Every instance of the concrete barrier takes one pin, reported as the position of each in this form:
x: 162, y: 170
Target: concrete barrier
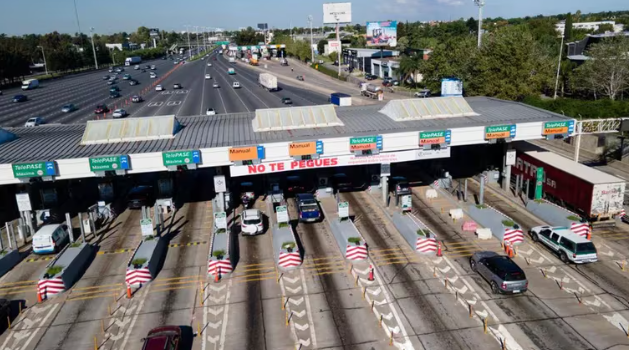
x: 219, y: 261
x: 484, y: 233
x: 456, y: 213
x: 8, y: 260
x: 502, y: 226
x: 65, y: 270
x: 431, y: 193
x: 350, y: 241
x: 415, y: 233
x: 555, y: 215
x: 145, y: 263
x: 285, y: 248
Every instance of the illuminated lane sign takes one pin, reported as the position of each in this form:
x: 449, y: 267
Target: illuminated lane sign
x: 499, y: 132
x: 365, y: 143
x: 434, y: 137
x: 554, y: 128
x: 175, y: 158
x: 112, y: 163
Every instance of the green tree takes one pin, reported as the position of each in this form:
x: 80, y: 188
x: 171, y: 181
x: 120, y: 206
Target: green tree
x: 359, y: 42
x: 321, y: 46
x: 472, y: 25
x: 402, y: 44
x: 410, y: 66
x: 605, y: 27
x: 455, y: 57
x: 568, y: 31
x: 607, y: 70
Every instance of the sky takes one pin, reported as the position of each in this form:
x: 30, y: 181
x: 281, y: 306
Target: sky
x: 43, y: 16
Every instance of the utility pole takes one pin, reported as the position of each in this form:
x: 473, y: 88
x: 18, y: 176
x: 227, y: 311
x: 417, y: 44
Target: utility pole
x: 43, y: 54
x: 196, y: 29
x: 311, y: 40
x: 558, y: 66
x: 93, y: 48
x: 480, y: 4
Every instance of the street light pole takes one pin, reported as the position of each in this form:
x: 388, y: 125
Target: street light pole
x: 43, y: 54
x: 196, y: 29
x: 558, y: 67
x: 189, y: 47
x: 480, y: 4
x: 311, y: 40
x: 93, y: 48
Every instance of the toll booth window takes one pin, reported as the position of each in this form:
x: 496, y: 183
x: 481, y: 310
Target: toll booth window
x: 306, y: 157
x: 247, y: 162
x: 435, y: 147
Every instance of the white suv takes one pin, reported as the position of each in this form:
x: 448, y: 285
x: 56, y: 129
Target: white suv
x: 569, y: 245
x: 251, y: 222
x: 236, y: 85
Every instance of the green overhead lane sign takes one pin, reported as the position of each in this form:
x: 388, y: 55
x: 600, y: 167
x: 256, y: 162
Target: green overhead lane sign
x: 111, y: 163
x: 175, y: 158
x: 34, y: 169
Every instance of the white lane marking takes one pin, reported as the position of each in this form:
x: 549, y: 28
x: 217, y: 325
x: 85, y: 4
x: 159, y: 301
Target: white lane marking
x: 225, y: 316
x: 203, y: 89
x: 313, y: 334
x: 135, y: 316
x: 34, y: 332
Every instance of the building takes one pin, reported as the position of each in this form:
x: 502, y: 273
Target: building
x: 561, y: 26
x: 385, y: 67
x: 361, y: 58
x: 577, y: 51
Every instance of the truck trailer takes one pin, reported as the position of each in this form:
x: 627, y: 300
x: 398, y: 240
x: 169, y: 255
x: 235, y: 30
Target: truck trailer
x: 593, y: 194
x: 130, y: 61
x: 30, y: 84
x: 268, y: 81
x: 370, y: 90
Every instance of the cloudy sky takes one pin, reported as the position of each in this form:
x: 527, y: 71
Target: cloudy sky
x: 41, y: 16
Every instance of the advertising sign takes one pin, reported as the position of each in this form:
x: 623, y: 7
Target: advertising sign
x: 337, y: 12
x: 35, y: 169
x: 434, y: 137
x: 451, y: 87
x: 499, y: 132
x: 109, y: 163
x: 349, y: 160
x: 147, y: 227
x: 181, y: 157
x: 220, y: 220
x: 510, y: 157
x: 282, y: 213
x: 364, y: 143
x: 407, y: 203
x: 382, y: 33
x: 154, y: 32
x: 554, y: 128
x: 302, y: 148
x: 220, y: 185
x: 343, y: 210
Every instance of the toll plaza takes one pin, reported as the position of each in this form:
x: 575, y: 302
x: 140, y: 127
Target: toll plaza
x: 189, y: 178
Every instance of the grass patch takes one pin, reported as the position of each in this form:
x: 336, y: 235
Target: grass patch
x: 149, y: 238
x: 329, y: 72
x: 573, y: 218
x: 481, y: 206
x: 287, y: 245
x: 221, y: 230
x: 75, y: 245
x: 3, y: 252
x: 218, y: 253
x: 283, y: 224
x: 540, y: 201
x: 355, y: 240
x: 508, y: 223
x: 139, y: 261
x: 53, y: 270
x: 422, y: 232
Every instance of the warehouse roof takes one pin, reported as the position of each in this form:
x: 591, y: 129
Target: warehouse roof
x: 226, y: 130
x: 581, y: 171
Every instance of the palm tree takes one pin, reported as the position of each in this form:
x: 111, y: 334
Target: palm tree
x: 409, y: 66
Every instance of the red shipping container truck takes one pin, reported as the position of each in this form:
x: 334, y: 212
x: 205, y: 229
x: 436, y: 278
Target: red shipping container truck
x: 589, y: 192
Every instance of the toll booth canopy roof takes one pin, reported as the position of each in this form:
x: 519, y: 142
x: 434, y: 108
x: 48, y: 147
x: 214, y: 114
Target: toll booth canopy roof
x: 130, y: 130
x: 292, y: 118
x: 236, y: 129
x: 426, y: 108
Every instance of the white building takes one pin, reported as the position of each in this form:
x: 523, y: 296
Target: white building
x: 561, y: 26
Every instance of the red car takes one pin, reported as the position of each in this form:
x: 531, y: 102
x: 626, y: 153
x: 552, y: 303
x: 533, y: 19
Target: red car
x: 160, y: 338
x: 101, y: 109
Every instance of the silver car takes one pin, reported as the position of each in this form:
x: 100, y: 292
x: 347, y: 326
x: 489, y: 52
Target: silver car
x: 503, y: 275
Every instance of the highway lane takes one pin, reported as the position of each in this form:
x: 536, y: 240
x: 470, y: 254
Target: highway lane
x: 84, y: 91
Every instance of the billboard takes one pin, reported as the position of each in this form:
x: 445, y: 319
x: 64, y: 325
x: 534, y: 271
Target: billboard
x: 382, y: 33
x: 451, y: 87
x: 263, y: 26
x: 337, y: 12
x: 154, y: 32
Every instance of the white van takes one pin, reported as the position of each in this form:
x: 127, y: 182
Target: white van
x: 569, y: 245
x: 50, y: 238
x: 236, y: 85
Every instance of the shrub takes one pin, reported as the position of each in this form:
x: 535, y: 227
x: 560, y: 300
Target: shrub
x: 481, y: 206
x: 218, y: 253
x: 53, y: 270
x: 287, y: 245
x: 355, y: 240
x: 283, y: 224
x: 75, y: 245
x: 573, y: 218
x: 139, y: 261
x: 422, y: 232
x: 221, y: 230
x: 508, y: 223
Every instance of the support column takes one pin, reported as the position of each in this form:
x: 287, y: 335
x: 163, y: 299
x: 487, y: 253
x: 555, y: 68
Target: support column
x: 481, y: 195
x: 577, y: 147
x: 465, y: 193
x: 526, y: 189
x: 384, y: 185
x: 70, y: 229
x: 81, y: 227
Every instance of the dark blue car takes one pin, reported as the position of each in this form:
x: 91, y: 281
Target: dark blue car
x: 308, y: 208
x: 19, y: 98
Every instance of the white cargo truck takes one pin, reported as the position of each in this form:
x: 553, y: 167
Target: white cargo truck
x: 30, y: 84
x: 268, y: 81
x: 232, y: 60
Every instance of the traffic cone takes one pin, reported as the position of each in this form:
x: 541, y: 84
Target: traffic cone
x: 217, y: 276
x: 129, y: 295
x: 39, y: 298
x: 370, y: 278
x: 439, y: 249
x: 510, y: 250
x: 589, y: 236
